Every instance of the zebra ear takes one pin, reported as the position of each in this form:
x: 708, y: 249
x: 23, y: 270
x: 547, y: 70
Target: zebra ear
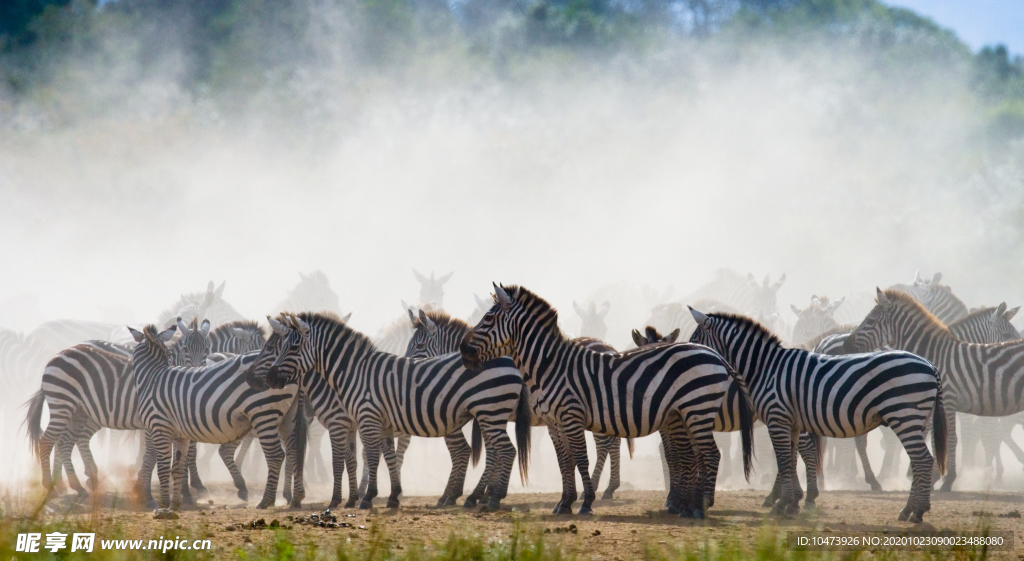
x: 1010, y: 313
x: 205, y: 327
x: 242, y: 335
x: 445, y: 278
x: 638, y: 339
x: 883, y: 300
x: 136, y: 334
x: 303, y: 327
x: 412, y: 317
x: 917, y: 277
x: 277, y: 326
x: 219, y: 293
x: 579, y: 311
x: 167, y: 334
x: 182, y: 326
x: 503, y: 298
x: 936, y: 278
x: 209, y: 286
x: 778, y: 284
x: 347, y: 317
x: 672, y: 337
x: 838, y: 303
x: 480, y: 302
x: 700, y: 318
x: 795, y: 309
x: 429, y: 323
x: 604, y: 309
x: 419, y: 277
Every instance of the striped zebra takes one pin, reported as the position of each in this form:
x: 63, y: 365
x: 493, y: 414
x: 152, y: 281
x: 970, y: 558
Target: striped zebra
x: 986, y: 325
x: 313, y: 293
x: 205, y: 404
x: 936, y: 298
x: 437, y: 333
x: 432, y: 289
x: 979, y: 379
x: 392, y: 395
x: 593, y: 320
x: 815, y: 319
x: 673, y: 389
x: 90, y: 386
x: 210, y: 305
x: 728, y: 420
x: 796, y: 391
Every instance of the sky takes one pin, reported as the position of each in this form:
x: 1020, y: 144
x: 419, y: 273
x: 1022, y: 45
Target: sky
x: 977, y: 22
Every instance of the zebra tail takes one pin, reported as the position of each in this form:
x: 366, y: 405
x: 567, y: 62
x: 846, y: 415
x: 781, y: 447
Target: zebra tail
x: 478, y: 442
x: 33, y: 421
x: 746, y: 432
x: 524, y: 426
x: 631, y: 446
x: 939, y: 432
x: 819, y: 451
x: 301, y: 437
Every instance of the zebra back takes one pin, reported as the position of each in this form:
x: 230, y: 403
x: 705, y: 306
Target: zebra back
x: 986, y: 325
x: 815, y: 319
x: 935, y: 297
x: 237, y: 337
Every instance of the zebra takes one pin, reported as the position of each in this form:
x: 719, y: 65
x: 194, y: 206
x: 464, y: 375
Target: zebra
x: 432, y: 290
x: 936, y: 298
x: 90, y: 386
x: 728, y: 420
x: 394, y: 395
x: 815, y: 318
x: 210, y: 404
x: 797, y: 391
x: 210, y: 305
x: 593, y: 320
x: 313, y: 293
x: 675, y: 389
x: 979, y: 379
x: 437, y: 333
x: 986, y: 325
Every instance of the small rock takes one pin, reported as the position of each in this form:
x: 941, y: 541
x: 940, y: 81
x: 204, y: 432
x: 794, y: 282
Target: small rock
x: 573, y: 529
x: 230, y: 528
x: 596, y: 533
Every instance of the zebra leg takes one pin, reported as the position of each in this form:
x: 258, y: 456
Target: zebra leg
x: 500, y: 455
x: 776, y: 493
x: 460, y: 452
x: 615, y: 457
x: 683, y: 471
x: 316, y: 459
x: 338, y: 435
x: 62, y: 463
x: 665, y: 469
x: 60, y: 421
x: 352, y: 467
x: 708, y: 457
x: 572, y: 426
x: 783, y: 442
x: 913, y: 437
x: 144, y: 483
x: 809, y: 452
x: 226, y: 452
x: 865, y: 463
x: 179, y: 488
x: 270, y: 442
x: 603, y: 450
x: 947, y: 482
x: 724, y: 440
x: 243, y: 449
x: 372, y: 445
x: 364, y: 480
x: 163, y: 446
x: 391, y: 459
x: 82, y: 438
x: 566, y: 468
x: 193, y: 472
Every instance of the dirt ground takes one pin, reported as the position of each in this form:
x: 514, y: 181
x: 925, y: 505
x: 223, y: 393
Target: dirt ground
x: 620, y: 529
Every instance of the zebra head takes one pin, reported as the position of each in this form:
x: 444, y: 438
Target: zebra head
x: 432, y: 290
x: 765, y: 300
x: 194, y: 345
x: 495, y: 334
x: 712, y: 331
x: 882, y: 324
x: 593, y: 320
x: 284, y: 357
x: 815, y: 319
x: 152, y: 346
x: 436, y: 334
x: 652, y: 337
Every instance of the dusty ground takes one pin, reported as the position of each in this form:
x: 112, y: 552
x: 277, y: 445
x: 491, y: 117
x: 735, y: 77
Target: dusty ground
x: 633, y: 521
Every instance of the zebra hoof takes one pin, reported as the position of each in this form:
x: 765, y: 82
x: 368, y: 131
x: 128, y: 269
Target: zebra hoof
x: 287, y: 496
x: 585, y: 511
x: 792, y: 510
x: 201, y: 492
x: 673, y: 509
x: 946, y: 487
x: 393, y: 502
x: 165, y: 514
x: 697, y: 514
x: 916, y: 518
x: 608, y: 496
x: 769, y: 501
x: 809, y: 505
x: 351, y: 503
x: 562, y: 509
x: 151, y: 503
x: 296, y: 504
x: 904, y: 514
x: 471, y: 502
x: 334, y: 504
x: 243, y: 494
x: 491, y: 506
x: 365, y: 505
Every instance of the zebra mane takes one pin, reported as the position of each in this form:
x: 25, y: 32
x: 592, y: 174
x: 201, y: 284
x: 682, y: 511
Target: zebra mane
x: 744, y: 321
x: 907, y: 302
x: 246, y: 324
x: 978, y: 312
x: 545, y: 313
x: 333, y: 321
x: 445, y: 321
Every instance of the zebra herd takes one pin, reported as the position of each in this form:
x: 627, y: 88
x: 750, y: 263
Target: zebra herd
x: 202, y: 374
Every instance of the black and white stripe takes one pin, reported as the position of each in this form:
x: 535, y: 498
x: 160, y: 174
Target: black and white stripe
x: 935, y: 297
x: 841, y: 397
x: 206, y: 404
x: 393, y: 395
x: 673, y: 389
